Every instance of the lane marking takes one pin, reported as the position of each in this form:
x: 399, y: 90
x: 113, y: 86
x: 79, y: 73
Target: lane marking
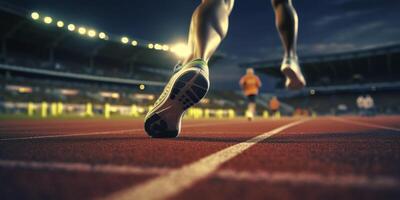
x: 71, y: 135
x: 297, y: 178
x: 99, y: 133
x: 83, y: 167
x: 301, y: 178
x: 366, y: 124
x: 178, y: 180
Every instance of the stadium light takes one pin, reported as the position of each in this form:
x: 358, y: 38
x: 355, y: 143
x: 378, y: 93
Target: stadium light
x: 35, y: 15
x: 47, y: 20
x: 150, y: 46
x: 165, y: 47
x: 157, y: 46
x: 91, y: 33
x: 71, y: 27
x: 134, y: 43
x: 124, y: 40
x: 60, y: 24
x: 82, y: 30
x: 181, y: 50
x: 141, y: 87
x: 102, y: 35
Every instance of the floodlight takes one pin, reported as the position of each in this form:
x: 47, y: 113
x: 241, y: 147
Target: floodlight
x: 124, y: 40
x: 60, y: 24
x: 91, y: 33
x: 35, y: 15
x: 47, y: 20
x: 82, y: 30
x: 71, y: 27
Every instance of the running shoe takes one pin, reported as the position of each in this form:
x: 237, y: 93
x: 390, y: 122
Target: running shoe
x: 291, y: 69
x: 187, y: 86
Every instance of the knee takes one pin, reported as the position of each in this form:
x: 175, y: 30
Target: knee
x: 276, y: 3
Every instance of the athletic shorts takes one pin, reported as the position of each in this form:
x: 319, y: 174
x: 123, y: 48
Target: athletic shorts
x: 251, y: 98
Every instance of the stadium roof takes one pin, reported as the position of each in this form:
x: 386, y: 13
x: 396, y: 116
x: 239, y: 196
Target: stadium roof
x: 33, y: 29
x: 378, y: 64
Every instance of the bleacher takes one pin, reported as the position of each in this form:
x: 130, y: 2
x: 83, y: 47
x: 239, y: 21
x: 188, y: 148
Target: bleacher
x: 337, y: 79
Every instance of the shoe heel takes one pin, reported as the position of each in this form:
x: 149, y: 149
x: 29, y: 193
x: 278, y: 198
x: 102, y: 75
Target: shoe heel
x: 294, y: 81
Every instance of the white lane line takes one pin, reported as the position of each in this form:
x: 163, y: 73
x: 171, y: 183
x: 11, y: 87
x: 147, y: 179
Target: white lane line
x: 71, y: 135
x: 178, y: 180
x: 366, y: 124
x: 358, y: 181
x: 83, y: 167
x: 295, y: 178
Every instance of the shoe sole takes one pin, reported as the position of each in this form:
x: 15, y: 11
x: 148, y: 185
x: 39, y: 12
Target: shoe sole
x: 164, y: 121
x: 294, y: 80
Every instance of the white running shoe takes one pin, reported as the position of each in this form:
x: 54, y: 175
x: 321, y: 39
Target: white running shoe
x: 187, y: 86
x: 291, y: 69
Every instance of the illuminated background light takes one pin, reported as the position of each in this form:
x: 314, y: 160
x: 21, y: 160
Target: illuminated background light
x: 71, y: 27
x: 102, y: 35
x: 158, y: 46
x: 92, y: 33
x: 124, y: 40
x: 60, y: 24
x: 47, y: 20
x: 35, y: 15
x: 165, y: 47
x: 82, y: 30
x: 141, y: 87
x: 181, y: 50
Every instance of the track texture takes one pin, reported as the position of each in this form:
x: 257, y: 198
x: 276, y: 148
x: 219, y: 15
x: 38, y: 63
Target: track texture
x: 321, y: 158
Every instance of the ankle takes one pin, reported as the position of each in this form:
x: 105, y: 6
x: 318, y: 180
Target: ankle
x: 193, y: 59
x: 290, y: 56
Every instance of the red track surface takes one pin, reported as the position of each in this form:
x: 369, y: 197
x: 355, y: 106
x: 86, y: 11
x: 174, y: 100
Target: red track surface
x: 323, y: 158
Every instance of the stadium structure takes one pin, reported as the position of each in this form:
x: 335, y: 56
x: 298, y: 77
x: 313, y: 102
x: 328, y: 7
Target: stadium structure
x: 334, y: 81
x: 44, y: 59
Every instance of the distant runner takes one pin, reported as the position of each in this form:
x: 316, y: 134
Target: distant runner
x: 250, y: 84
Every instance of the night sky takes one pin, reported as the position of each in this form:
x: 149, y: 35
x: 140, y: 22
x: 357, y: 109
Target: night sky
x: 325, y: 26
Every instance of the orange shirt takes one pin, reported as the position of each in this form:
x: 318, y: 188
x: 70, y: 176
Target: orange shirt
x: 250, y: 84
x: 274, y: 104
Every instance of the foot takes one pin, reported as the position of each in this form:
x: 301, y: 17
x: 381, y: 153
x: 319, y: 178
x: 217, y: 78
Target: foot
x: 249, y: 115
x: 291, y: 69
x: 187, y: 86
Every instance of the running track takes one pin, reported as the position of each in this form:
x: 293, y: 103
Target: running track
x: 293, y: 158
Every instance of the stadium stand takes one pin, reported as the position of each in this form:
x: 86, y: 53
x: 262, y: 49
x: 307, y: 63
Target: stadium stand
x: 44, y: 59
x: 374, y: 65
x: 337, y: 79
